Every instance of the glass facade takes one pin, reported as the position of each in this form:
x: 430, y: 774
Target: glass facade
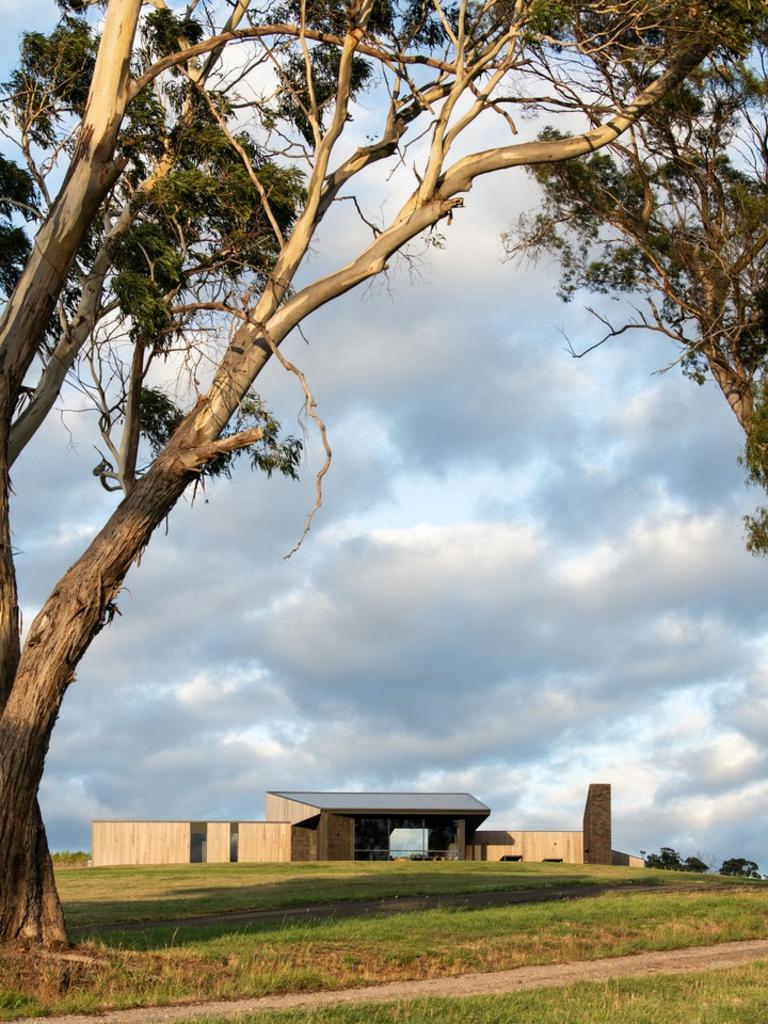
x: 399, y: 837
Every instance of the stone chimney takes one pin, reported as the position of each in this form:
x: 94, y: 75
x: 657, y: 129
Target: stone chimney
x: 597, y: 824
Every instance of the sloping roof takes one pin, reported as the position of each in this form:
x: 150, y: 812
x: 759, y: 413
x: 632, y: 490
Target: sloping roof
x: 463, y: 803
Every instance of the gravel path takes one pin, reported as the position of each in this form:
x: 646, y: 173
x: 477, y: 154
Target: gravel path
x: 677, y: 961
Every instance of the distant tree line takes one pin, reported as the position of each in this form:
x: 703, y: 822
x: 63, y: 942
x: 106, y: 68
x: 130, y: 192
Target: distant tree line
x: 670, y: 860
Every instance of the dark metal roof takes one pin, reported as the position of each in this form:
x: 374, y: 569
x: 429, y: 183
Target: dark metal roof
x: 461, y: 803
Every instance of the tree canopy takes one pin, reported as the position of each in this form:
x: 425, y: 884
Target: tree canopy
x: 673, y: 217
x: 740, y: 867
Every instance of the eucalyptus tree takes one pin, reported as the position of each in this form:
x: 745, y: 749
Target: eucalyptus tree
x: 174, y: 191
x: 674, y: 217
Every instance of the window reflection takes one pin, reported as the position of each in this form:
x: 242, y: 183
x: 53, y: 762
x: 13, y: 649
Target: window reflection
x: 403, y: 841
x: 398, y: 837
x: 371, y: 834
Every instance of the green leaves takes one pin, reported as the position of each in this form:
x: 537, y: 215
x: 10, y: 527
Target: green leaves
x: 675, y: 216
x: 159, y: 418
x: 295, y: 101
x: 148, y: 266
x: 648, y: 32
x: 18, y: 197
x: 53, y: 77
x: 740, y: 867
x: 270, y: 454
x: 166, y: 33
x: 668, y: 859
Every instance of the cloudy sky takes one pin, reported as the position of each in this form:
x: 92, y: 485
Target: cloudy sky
x: 528, y: 574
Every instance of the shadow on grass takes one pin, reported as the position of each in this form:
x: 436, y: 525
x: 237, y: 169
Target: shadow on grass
x: 181, y: 933
x: 157, y: 939
x: 296, y: 892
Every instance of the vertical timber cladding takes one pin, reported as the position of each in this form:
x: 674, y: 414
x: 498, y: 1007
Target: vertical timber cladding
x: 278, y: 808
x: 139, y: 842
x: 217, y: 849
x: 597, y: 824
x: 335, y: 836
x: 263, y: 842
x: 529, y: 845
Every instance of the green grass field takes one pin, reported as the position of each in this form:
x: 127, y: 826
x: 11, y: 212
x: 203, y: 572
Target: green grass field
x: 106, y: 895
x: 161, y: 964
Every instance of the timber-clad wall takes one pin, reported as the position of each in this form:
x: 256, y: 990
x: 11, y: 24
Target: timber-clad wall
x: 263, y: 841
x: 530, y: 845
x: 217, y: 846
x: 626, y: 860
x: 139, y: 842
x: 278, y: 808
x: 597, y: 824
x: 335, y: 836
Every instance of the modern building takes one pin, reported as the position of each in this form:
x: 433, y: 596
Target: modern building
x: 311, y: 826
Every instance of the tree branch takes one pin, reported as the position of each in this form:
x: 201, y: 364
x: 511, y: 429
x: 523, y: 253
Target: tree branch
x: 283, y: 29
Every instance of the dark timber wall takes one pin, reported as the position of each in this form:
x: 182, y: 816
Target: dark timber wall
x: 303, y: 843
x: 335, y: 835
x: 597, y: 824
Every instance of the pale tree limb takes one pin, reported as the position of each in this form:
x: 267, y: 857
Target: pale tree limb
x: 195, y: 459
x: 91, y: 176
x: 312, y: 112
x: 311, y: 407
x: 248, y: 351
x: 89, y: 308
x: 281, y: 29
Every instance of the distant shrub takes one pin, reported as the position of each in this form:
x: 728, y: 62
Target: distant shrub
x: 740, y: 867
x: 72, y: 858
x: 670, y: 860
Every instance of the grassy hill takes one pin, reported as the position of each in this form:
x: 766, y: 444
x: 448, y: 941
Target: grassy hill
x: 104, y: 895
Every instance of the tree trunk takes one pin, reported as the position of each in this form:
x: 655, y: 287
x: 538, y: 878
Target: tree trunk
x: 80, y: 605
x: 30, y: 910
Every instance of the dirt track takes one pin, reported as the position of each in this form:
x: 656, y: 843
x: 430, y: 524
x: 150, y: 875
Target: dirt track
x: 678, y: 961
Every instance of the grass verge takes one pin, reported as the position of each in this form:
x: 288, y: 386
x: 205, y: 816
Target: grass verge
x: 733, y: 996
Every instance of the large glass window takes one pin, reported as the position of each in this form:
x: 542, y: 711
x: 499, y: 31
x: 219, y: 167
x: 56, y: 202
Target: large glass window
x: 408, y: 841
x: 371, y: 834
x: 400, y: 837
